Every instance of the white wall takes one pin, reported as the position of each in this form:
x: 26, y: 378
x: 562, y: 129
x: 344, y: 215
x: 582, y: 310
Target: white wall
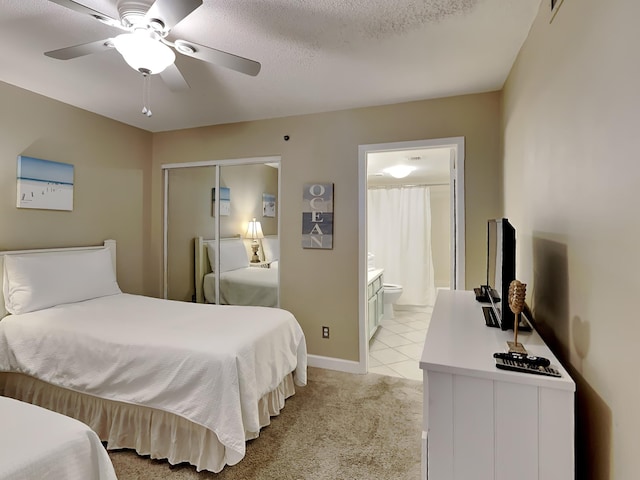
x: 571, y: 180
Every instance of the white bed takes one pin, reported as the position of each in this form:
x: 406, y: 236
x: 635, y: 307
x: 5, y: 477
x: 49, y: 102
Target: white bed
x: 240, y: 283
x: 37, y: 443
x: 183, y: 381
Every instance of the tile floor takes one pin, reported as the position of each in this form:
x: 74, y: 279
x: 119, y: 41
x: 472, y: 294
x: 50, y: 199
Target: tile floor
x: 396, y: 347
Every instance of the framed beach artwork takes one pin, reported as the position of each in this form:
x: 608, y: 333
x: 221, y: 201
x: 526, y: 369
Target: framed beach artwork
x: 44, y: 184
x: 225, y: 202
x: 268, y: 205
x: 317, y: 216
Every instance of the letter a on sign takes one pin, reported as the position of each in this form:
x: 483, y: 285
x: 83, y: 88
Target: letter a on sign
x: 317, y: 215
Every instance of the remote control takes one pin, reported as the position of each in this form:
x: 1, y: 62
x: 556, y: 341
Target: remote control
x: 523, y: 367
x: 519, y: 357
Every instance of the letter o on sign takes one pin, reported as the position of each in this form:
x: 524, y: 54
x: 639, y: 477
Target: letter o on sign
x: 316, y: 190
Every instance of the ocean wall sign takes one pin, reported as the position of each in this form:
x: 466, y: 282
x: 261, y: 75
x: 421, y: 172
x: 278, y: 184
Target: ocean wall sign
x: 317, y: 215
x: 44, y: 184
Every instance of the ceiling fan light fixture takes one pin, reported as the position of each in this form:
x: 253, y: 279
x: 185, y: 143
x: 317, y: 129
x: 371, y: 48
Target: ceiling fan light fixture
x: 399, y: 171
x: 143, y: 51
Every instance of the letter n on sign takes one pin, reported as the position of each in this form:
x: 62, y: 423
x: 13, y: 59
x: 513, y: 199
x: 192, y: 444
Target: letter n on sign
x: 317, y: 215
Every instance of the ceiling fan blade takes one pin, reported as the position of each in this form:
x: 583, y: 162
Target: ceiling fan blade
x: 218, y: 57
x: 80, y: 50
x: 173, y: 78
x: 88, y: 11
x: 171, y: 12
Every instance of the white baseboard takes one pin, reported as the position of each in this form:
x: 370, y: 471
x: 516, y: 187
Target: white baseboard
x: 338, y: 364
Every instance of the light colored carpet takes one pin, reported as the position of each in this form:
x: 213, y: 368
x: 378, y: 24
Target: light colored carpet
x: 339, y: 427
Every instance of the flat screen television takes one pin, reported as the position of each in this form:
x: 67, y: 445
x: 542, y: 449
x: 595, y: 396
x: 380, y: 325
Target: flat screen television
x: 501, y: 267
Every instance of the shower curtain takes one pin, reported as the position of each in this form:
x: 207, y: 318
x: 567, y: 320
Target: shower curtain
x: 399, y: 235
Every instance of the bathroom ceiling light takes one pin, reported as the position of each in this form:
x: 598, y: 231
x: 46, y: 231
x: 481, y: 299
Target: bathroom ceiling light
x: 399, y: 171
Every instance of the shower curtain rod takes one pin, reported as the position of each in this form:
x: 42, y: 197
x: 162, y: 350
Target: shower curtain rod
x: 410, y: 185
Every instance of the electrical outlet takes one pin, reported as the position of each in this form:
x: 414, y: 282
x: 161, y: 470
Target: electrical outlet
x: 325, y: 332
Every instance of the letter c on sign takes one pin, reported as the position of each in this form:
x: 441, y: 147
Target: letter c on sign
x: 315, y: 200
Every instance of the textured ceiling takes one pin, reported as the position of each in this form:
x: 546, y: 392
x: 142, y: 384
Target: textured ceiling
x: 316, y: 55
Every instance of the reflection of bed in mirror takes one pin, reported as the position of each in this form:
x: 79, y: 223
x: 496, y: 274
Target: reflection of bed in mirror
x: 241, y: 283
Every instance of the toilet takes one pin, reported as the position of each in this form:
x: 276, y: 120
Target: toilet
x: 392, y: 293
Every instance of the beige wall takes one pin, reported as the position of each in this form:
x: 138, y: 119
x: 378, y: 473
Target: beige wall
x: 571, y: 185
x: 111, y: 180
x: 321, y: 286
x: 570, y: 180
x: 441, y: 235
x: 118, y: 194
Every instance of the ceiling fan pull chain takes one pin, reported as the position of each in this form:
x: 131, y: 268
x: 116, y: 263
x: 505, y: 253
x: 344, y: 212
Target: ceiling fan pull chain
x: 148, y: 101
x: 146, y: 94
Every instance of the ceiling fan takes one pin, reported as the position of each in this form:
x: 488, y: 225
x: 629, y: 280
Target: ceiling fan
x: 146, y: 46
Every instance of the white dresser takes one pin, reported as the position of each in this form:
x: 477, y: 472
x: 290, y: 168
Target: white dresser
x: 483, y: 423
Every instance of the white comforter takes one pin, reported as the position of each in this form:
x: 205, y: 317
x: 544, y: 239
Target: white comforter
x: 209, y: 364
x: 37, y: 443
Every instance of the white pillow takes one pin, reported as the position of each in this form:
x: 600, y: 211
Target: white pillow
x: 271, y: 249
x: 233, y: 255
x: 36, y: 281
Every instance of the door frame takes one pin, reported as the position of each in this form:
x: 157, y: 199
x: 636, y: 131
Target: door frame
x: 456, y: 176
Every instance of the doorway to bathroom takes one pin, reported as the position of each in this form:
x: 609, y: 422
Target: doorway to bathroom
x: 411, y: 224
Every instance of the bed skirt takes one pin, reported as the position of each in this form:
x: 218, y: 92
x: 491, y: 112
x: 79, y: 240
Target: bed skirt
x: 148, y: 431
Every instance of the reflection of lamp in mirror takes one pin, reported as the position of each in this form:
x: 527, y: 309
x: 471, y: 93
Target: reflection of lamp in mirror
x: 254, y: 232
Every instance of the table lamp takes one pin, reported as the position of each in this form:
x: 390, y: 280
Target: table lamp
x: 254, y: 232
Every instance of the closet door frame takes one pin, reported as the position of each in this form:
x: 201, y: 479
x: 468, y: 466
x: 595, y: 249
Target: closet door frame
x: 166, y: 168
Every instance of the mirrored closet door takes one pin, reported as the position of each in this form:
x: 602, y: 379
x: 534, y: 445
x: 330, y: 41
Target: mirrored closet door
x: 221, y: 232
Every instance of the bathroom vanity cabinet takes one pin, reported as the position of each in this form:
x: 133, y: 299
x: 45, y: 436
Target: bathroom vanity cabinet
x: 484, y: 423
x: 375, y: 299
